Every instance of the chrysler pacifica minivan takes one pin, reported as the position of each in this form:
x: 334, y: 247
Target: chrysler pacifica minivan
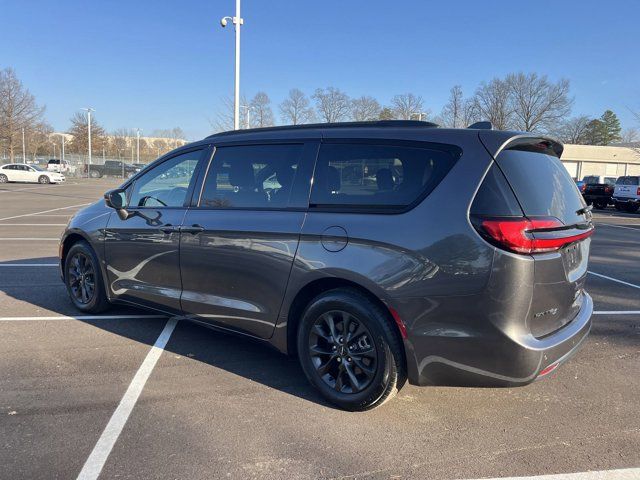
x: 377, y: 252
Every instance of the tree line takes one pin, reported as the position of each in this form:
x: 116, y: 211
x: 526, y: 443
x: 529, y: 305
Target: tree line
x: 22, y: 117
x: 518, y: 101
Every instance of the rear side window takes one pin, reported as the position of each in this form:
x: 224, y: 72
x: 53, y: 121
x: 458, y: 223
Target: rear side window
x: 372, y: 177
x: 628, y: 181
x: 542, y: 185
x: 495, y: 197
x: 252, y: 176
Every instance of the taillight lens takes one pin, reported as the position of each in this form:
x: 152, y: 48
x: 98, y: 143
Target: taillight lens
x: 529, y: 235
x: 638, y: 191
x: 609, y: 189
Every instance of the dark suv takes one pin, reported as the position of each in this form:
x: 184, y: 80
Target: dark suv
x: 377, y: 252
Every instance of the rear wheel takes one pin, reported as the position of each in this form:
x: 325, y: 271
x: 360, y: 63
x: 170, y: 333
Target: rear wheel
x: 349, y: 351
x: 631, y: 207
x: 43, y: 179
x: 618, y: 206
x: 95, y: 174
x: 3, y: 178
x: 83, y: 279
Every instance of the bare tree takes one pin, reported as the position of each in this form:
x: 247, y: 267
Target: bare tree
x: 261, y: 113
x: 79, y: 129
x: 223, y: 120
x: 537, y: 104
x: 332, y: 104
x: 39, y: 140
x: 453, y: 113
x: 574, y: 130
x: 365, y: 108
x: 407, y: 106
x: 18, y: 110
x: 295, y: 108
x: 630, y: 135
x: 492, y: 102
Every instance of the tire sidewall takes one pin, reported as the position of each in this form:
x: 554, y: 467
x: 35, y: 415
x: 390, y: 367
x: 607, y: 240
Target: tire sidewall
x: 352, y: 304
x: 99, y: 296
x: 43, y: 179
x: 4, y: 178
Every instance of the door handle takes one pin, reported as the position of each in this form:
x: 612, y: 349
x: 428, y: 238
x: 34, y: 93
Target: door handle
x: 193, y: 229
x: 168, y: 228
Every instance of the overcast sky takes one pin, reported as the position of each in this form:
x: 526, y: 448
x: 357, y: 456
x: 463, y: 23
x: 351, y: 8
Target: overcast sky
x: 161, y: 64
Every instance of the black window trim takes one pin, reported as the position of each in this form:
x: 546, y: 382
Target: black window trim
x: 131, y: 182
x: 455, y: 150
x: 305, y: 142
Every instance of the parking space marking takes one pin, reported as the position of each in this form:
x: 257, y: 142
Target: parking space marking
x: 28, y: 264
x: 80, y: 317
x: 617, y: 312
x: 619, y: 226
x: 620, y: 474
x: 94, y: 464
x: 44, y: 211
x: 29, y: 239
x: 614, y: 279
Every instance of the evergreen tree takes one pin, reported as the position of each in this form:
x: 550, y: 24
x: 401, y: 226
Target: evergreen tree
x: 595, y: 133
x: 610, y: 128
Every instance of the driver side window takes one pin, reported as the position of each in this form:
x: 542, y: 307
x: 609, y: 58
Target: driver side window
x: 166, y: 185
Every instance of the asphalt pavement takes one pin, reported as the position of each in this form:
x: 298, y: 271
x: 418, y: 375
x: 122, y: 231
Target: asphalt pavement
x: 140, y: 399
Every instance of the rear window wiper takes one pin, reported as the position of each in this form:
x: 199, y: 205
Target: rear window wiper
x: 584, y: 210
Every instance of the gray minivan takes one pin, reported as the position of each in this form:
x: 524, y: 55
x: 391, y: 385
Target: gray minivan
x: 377, y: 252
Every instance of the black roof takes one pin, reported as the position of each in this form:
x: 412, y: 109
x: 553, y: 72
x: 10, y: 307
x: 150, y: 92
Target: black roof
x: 324, y: 126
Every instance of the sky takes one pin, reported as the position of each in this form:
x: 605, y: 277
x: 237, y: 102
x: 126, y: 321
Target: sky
x: 161, y: 64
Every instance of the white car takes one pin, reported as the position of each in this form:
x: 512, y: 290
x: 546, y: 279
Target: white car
x: 21, y: 172
x: 60, y: 166
x: 626, y: 194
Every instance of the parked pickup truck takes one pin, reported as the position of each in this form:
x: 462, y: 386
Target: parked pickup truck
x: 112, y: 168
x: 598, y: 190
x: 626, y: 195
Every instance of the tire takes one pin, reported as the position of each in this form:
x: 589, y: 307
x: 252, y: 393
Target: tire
x: 618, y: 206
x: 378, y: 348
x: 43, y: 179
x: 3, y: 178
x: 95, y: 174
x: 631, y: 208
x: 96, y: 299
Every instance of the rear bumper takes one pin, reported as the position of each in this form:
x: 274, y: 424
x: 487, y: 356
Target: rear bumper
x: 494, y: 359
x: 626, y: 199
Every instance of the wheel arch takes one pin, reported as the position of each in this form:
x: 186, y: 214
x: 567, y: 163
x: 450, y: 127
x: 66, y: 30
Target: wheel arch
x: 320, y: 285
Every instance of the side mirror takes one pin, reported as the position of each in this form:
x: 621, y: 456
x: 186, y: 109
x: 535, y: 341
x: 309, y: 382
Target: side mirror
x: 117, y: 199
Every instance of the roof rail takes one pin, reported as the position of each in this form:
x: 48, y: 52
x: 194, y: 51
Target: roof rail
x: 481, y: 126
x: 374, y: 123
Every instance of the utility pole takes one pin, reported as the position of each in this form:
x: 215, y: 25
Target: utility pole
x: 237, y: 22
x: 24, y: 150
x: 138, y: 145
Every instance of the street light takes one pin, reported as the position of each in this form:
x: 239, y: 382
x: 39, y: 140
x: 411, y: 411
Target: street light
x: 89, y: 110
x: 237, y: 21
x: 419, y: 114
x: 24, y: 153
x: 249, y: 108
x: 62, y: 137
x: 138, y: 145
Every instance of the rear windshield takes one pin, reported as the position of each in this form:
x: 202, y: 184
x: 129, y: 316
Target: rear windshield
x: 542, y: 185
x: 628, y: 181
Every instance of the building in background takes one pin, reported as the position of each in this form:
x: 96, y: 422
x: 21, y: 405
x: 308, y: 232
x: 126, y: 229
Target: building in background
x: 582, y: 160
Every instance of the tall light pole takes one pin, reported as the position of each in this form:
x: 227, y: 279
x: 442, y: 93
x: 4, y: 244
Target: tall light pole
x: 24, y: 150
x: 419, y: 114
x: 237, y: 22
x: 62, y: 138
x: 138, y: 145
x: 89, y: 110
x: 249, y: 108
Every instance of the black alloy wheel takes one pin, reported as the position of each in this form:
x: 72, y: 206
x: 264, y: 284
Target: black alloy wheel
x: 81, y: 276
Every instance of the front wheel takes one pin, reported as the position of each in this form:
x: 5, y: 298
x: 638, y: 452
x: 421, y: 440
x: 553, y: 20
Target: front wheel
x: 3, y: 178
x: 350, y: 351
x: 83, y: 279
x: 43, y: 179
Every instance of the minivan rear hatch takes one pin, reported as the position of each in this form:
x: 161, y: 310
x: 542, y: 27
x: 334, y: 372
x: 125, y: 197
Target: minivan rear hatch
x: 555, y: 229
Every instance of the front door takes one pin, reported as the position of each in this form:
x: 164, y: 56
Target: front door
x: 239, y: 241
x: 143, y: 251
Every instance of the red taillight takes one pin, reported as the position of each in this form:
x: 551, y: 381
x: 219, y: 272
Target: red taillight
x: 609, y: 189
x: 548, y: 370
x: 638, y: 192
x: 583, y: 187
x: 530, y: 235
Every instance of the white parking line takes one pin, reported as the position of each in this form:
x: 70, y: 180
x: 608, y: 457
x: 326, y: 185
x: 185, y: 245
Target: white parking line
x: 617, y: 312
x: 620, y: 474
x: 79, y: 317
x: 28, y: 264
x: 44, y: 211
x: 30, y: 239
x: 93, y: 466
x: 614, y: 279
x: 619, y: 226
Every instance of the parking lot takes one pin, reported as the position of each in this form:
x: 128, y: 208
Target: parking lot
x: 218, y: 406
